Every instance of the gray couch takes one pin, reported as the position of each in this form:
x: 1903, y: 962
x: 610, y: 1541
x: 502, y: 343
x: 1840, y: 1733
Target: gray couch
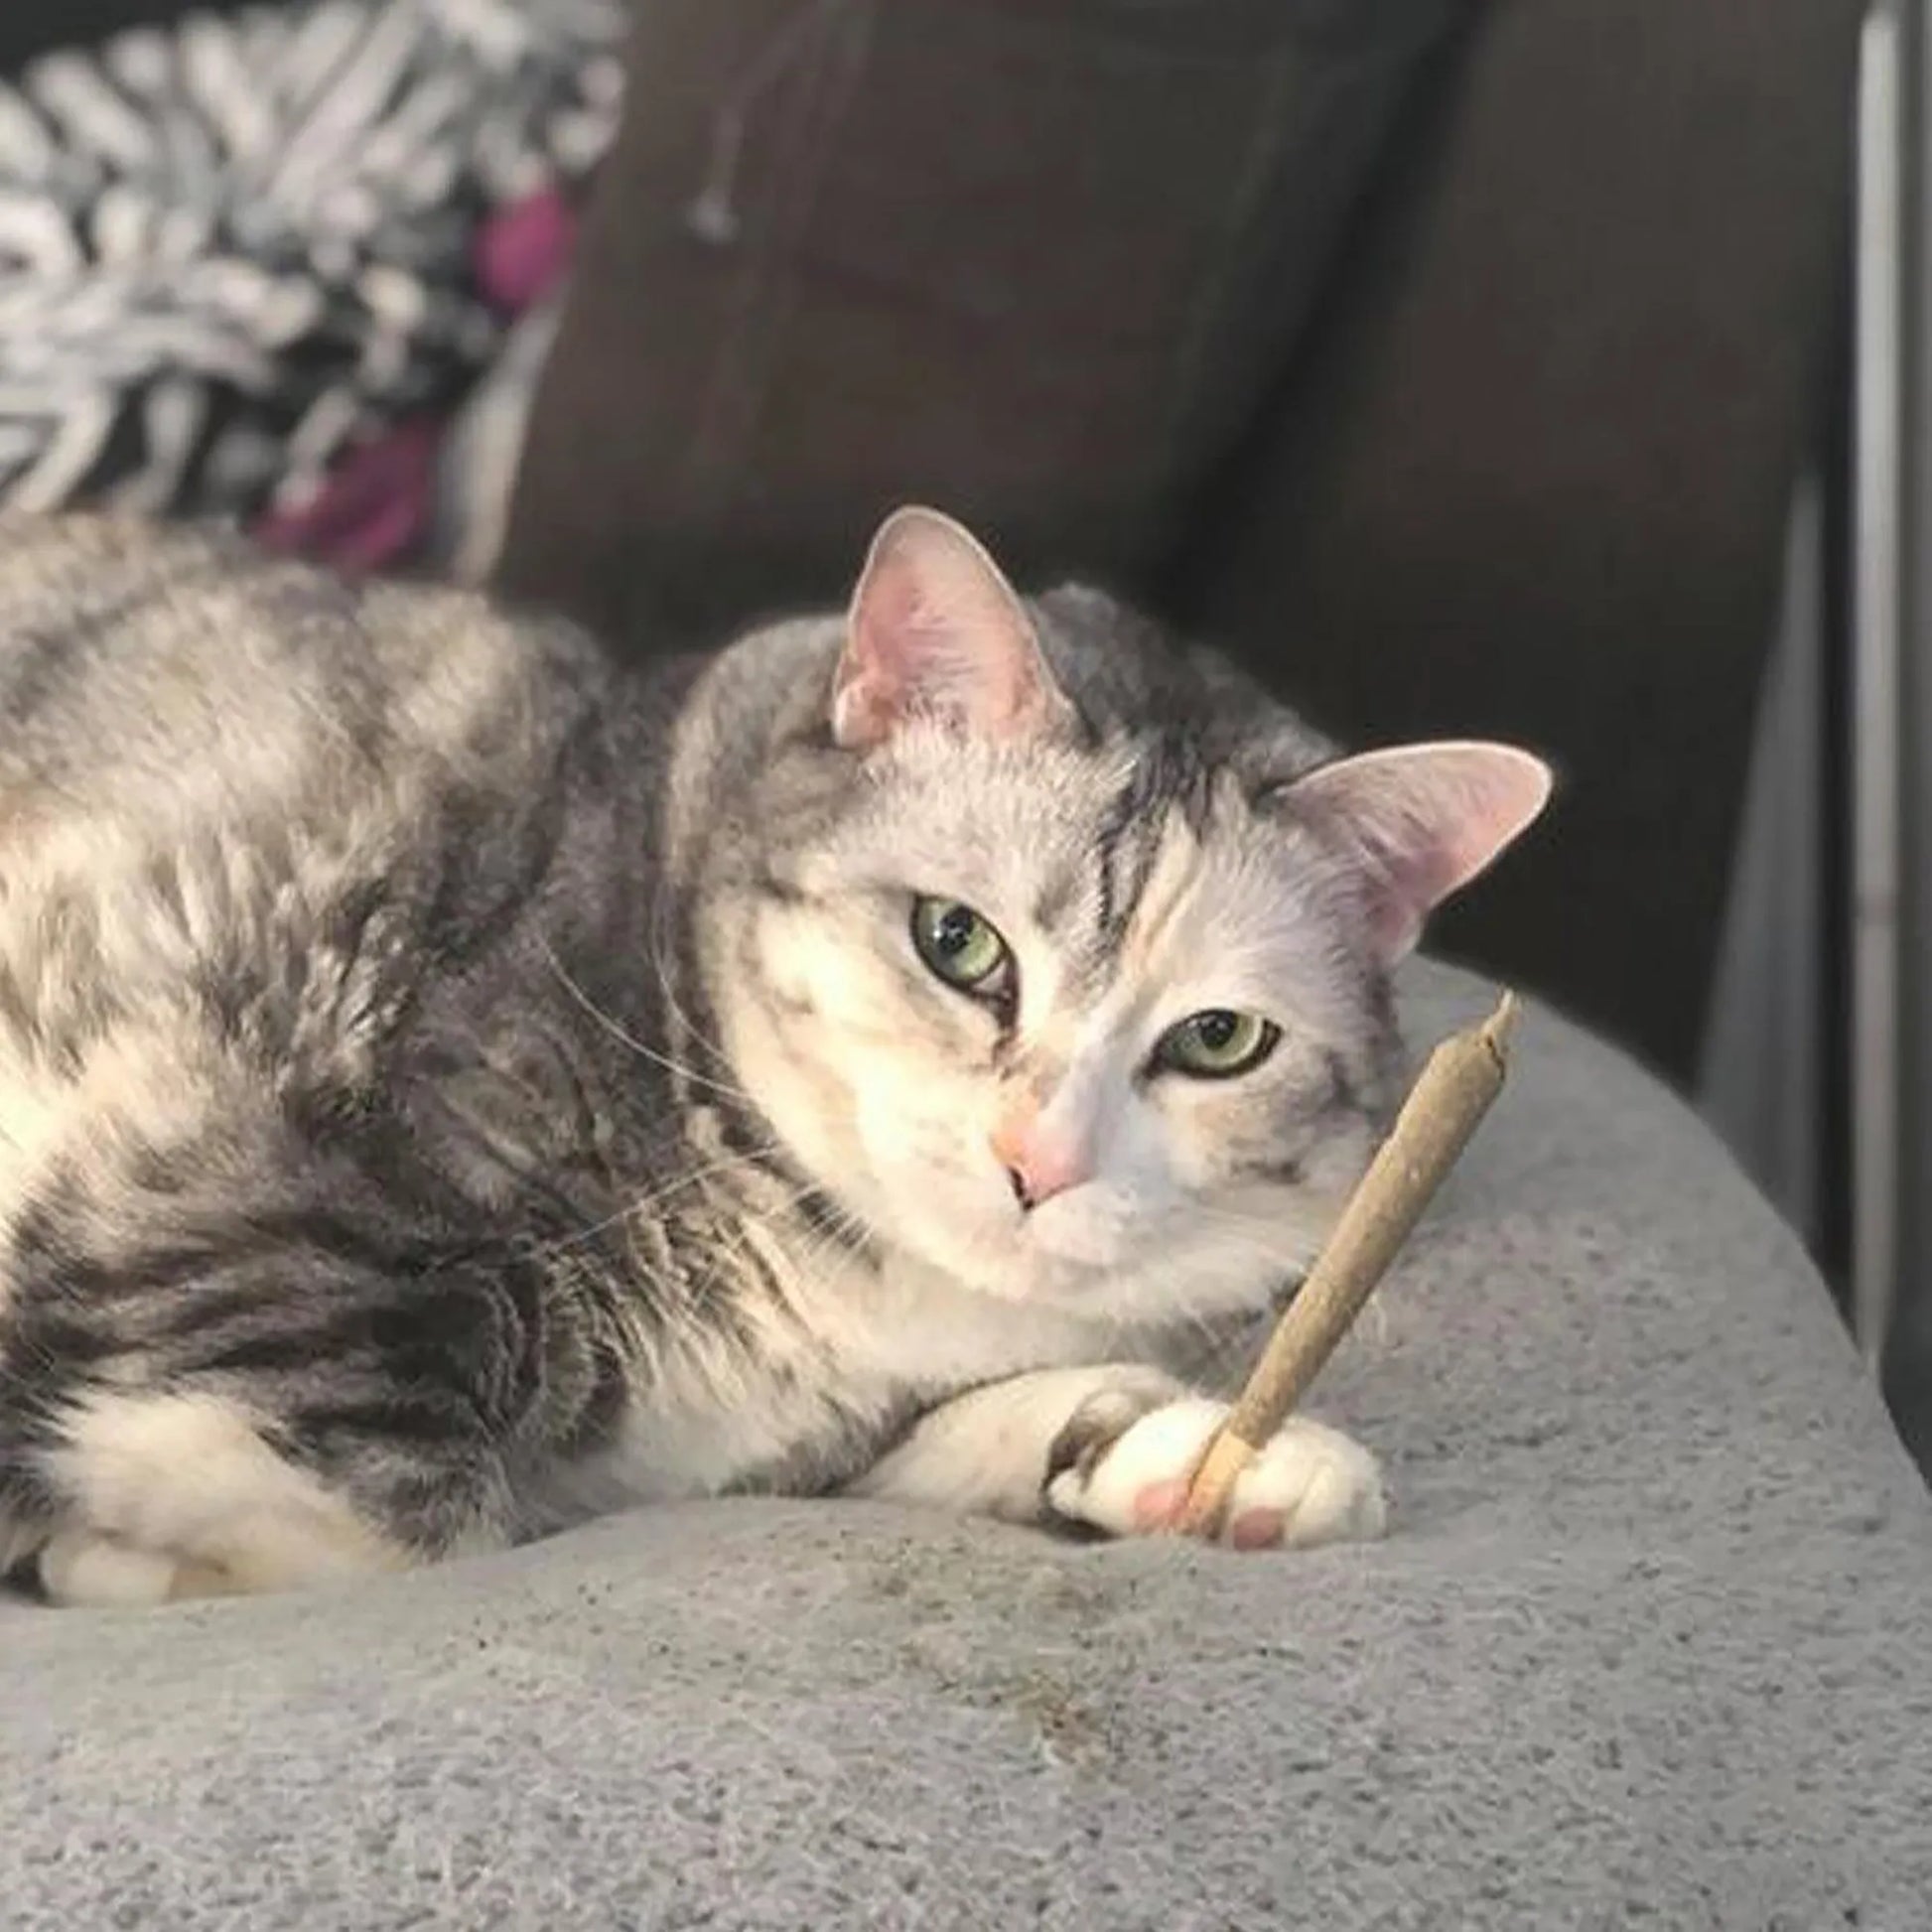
x: 1647, y: 1646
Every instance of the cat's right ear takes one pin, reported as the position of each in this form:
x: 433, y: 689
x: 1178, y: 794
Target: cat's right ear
x: 935, y: 630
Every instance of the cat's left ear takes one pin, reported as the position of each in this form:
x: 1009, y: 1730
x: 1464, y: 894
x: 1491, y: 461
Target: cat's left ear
x: 937, y: 630
x: 1421, y: 821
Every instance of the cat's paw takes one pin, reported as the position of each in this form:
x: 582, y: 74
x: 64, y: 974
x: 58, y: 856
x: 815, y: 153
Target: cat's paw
x: 82, y: 1569
x: 1122, y: 1465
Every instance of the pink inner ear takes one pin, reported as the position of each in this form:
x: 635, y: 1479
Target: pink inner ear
x: 888, y: 637
x: 1422, y: 821
x: 936, y: 630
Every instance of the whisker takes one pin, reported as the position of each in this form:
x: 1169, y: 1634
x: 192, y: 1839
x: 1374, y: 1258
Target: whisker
x: 630, y: 1039
x: 654, y: 953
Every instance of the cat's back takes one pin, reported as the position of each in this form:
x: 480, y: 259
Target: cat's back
x: 244, y: 800
x: 159, y: 676
x: 252, y: 818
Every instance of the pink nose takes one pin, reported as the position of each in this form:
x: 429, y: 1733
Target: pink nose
x: 1040, y: 1162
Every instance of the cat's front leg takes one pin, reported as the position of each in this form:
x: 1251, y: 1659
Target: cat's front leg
x: 1112, y: 1448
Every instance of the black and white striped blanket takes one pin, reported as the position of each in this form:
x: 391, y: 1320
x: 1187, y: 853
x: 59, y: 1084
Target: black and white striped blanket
x: 237, y: 251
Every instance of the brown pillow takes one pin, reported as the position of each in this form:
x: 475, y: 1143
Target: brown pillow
x: 1033, y: 263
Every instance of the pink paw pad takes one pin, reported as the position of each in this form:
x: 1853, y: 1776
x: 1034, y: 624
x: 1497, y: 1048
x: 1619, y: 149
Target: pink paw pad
x: 1257, y: 1528
x: 1158, y: 1503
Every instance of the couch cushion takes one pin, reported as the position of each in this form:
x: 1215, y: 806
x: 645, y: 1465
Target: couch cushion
x: 1648, y: 1644
x: 1040, y: 260
x: 1531, y: 471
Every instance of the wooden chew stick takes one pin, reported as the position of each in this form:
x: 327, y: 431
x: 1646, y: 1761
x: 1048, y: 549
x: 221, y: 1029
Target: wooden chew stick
x: 1463, y: 1077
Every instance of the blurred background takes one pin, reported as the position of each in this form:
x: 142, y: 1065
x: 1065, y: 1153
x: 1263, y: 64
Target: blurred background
x: 1552, y: 368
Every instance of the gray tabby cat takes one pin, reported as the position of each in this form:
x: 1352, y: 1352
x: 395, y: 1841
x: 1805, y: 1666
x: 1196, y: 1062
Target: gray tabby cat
x: 450, y: 1084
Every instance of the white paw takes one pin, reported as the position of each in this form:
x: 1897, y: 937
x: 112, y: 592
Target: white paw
x: 83, y: 1569
x: 1310, y: 1484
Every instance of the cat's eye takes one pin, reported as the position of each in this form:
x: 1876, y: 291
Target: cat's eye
x: 1216, y: 1044
x: 962, y: 946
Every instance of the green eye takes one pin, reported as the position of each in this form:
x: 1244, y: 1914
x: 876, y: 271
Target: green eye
x: 1216, y: 1044
x: 963, y: 948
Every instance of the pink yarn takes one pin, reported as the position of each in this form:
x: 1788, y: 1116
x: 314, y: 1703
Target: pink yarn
x: 523, y: 250
x: 372, y: 510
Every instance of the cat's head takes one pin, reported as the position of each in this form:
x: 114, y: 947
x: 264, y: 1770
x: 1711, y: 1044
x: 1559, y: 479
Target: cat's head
x: 1081, y: 1006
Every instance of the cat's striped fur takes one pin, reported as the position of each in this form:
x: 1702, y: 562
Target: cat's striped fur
x: 450, y: 1084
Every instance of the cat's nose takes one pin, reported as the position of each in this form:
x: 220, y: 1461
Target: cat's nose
x: 1039, y: 1162
x: 1032, y: 1185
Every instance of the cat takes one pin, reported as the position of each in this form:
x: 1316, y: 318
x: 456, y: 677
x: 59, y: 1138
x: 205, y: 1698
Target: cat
x: 453, y: 1083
